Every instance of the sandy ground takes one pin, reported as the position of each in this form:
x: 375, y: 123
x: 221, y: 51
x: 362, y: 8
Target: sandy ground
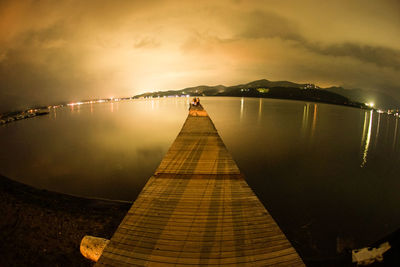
x: 42, y: 228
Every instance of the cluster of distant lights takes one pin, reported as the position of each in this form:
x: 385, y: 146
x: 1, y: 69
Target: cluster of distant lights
x: 93, y: 102
x: 371, y: 104
x: 389, y: 112
x: 112, y: 99
x: 182, y: 95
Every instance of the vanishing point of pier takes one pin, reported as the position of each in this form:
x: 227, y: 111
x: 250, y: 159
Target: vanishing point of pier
x: 197, y: 209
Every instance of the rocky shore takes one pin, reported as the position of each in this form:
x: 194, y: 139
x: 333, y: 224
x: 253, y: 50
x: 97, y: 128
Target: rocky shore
x: 42, y: 228
x: 20, y: 115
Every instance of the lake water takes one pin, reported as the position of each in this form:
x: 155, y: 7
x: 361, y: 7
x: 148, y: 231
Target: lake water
x: 328, y: 174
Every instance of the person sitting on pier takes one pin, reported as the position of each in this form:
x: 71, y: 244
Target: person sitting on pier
x: 195, y: 102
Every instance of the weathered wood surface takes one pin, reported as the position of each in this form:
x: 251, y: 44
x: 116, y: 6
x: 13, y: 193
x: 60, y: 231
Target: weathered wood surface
x: 197, y: 209
x: 92, y: 247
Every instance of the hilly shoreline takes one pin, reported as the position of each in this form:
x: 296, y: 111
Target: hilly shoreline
x: 279, y: 90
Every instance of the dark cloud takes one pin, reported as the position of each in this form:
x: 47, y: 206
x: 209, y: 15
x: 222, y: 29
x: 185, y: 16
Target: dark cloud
x: 44, y: 37
x: 26, y: 80
x: 258, y: 24
x: 39, y: 69
x: 378, y: 55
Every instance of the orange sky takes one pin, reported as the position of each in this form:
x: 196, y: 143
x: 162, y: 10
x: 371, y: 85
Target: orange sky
x: 52, y: 51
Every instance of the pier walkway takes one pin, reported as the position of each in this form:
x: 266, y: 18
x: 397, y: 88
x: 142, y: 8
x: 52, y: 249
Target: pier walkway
x: 197, y: 209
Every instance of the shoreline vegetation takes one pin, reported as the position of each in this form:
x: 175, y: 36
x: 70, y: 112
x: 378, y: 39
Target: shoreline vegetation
x: 266, y: 89
x: 311, y: 95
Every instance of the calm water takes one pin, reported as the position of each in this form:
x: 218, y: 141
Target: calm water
x: 328, y: 174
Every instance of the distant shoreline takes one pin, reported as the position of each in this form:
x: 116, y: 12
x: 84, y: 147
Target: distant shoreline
x: 9, y: 117
x: 21, y: 115
x: 352, y: 105
x: 302, y: 100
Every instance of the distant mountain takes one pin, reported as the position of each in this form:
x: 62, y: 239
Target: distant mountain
x: 214, y: 90
x: 269, y: 89
x: 266, y: 83
x: 381, y: 100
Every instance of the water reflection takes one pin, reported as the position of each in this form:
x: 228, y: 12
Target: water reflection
x: 381, y: 132
x: 366, y: 138
x: 387, y: 129
x: 377, y: 130
x: 305, y: 118
x: 318, y: 168
x: 314, y: 122
x: 260, y: 102
x: 395, y: 135
x: 364, y: 129
x: 110, y: 153
x: 305, y: 122
x: 241, y: 107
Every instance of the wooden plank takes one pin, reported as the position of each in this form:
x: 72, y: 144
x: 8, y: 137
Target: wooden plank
x: 197, y: 209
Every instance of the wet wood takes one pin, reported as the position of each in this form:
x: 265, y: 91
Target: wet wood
x: 197, y: 209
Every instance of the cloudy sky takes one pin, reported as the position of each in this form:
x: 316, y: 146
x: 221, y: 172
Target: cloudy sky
x: 52, y: 51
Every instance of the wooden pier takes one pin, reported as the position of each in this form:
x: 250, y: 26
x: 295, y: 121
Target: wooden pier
x: 197, y: 209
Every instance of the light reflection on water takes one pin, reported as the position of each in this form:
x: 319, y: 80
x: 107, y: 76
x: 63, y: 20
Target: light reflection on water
x: 308, y: 115
x: 312, y: 165
x: 395, y: 134
x: 315, y: 169
x: 106, y: 150
x: 366, y: 139
x: 259, y: 117
x: 241, y: 107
